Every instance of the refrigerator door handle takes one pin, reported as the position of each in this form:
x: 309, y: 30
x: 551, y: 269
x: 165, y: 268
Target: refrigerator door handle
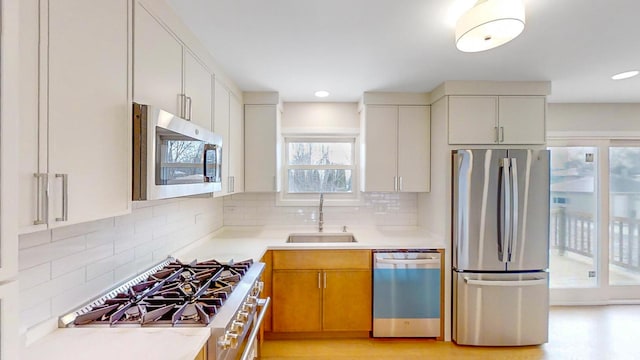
x: 504, y: 208
x: 515, y: 217
x: 533, y: 282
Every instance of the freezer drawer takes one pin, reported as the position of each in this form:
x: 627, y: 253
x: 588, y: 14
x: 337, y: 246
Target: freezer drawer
x: 500, y: 309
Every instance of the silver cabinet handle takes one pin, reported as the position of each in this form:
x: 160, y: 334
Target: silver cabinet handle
x: 325, y: 279
x: 496, y: 134
x: 233, y: 184
x: 400, y: 183
x: 318, y: 279
x: 189, y: 107
x: 501, y: 133
x: 395, y: 183
x: 183, y: 105
x: 65, y: 197
x: 42, y: 197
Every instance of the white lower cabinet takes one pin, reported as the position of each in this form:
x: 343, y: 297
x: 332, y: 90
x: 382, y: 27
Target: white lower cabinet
x: 75, y: 157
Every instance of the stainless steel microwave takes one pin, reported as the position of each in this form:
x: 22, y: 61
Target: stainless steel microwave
x: 173, y: 157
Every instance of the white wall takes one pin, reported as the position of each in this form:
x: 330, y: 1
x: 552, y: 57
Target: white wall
x: 315, y: 117
x: 63, y: 268
x: 578, y: 118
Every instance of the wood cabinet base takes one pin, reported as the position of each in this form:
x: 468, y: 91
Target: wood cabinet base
x: 316, y: 335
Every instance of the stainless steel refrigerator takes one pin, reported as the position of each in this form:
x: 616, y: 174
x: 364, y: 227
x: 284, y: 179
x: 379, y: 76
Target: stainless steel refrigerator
x: 500, y: 247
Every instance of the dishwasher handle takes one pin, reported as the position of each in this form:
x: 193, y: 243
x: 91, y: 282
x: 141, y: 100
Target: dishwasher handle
x: 408, y: 261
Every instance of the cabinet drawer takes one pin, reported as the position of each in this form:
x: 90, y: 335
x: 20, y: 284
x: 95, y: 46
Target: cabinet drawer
x: 322, y: 259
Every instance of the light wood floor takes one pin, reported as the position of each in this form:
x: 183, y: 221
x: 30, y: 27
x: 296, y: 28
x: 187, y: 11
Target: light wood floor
x: 584, y: 333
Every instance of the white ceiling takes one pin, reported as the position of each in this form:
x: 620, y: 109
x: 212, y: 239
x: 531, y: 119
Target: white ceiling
x: 347, y: 47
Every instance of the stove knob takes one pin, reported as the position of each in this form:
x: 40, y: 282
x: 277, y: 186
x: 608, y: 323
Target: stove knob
x: 237, y: 326
x: 242, y: 316
x: 251, y: 299
x: 228, y: 341
x: 248, y: 307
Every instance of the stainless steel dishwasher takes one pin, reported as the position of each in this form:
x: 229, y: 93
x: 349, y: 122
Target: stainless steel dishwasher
x: 406, y: 293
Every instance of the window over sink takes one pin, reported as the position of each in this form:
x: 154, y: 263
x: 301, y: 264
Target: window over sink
x: 320, y: 164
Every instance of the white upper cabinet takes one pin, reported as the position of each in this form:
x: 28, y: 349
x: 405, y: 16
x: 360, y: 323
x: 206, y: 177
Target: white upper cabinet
x: 414, y: 148
x: 157, y: 64
x: 167, y: 74
x: 261, y: 148
x: 221, y: 127
x: 497, y: 119
x: 236, y: 148
x: 396, y: 148
x: 81, y: 168
x: 522, y: 119
x: 198, y: 90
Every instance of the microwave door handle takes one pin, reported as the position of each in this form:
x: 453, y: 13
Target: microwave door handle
x: 207, y: 148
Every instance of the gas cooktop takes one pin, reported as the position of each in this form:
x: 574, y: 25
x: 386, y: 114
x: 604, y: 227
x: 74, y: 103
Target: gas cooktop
x: 171, y: 294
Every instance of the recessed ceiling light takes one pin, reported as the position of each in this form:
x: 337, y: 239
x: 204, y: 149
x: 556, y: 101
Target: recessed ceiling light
x: 322, y: 93
x: 625, y: 75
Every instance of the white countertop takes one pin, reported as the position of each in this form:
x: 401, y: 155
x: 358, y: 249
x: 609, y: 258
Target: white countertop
x: 251, y: 242
x: 229, y: 243
x: 119, y: 343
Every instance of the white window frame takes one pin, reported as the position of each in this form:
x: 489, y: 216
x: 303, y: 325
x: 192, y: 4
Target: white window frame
x: 352, y: 198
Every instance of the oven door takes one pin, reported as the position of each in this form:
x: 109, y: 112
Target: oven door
x: 242, y: 345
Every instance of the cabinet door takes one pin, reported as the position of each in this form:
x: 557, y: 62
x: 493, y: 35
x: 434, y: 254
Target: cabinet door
x: 221, y: 127
x: 236, y: 137
x: 260, y: 148
x: 347, y: 300
x: 157, y: 63
x: 297, y: 302
x: 473, y: 119
x: 414, y: 148
x: 380, y: 145
x: 198, y: 87
x: 522, y: 119
x: 32, y: 136
x: 89, y: 113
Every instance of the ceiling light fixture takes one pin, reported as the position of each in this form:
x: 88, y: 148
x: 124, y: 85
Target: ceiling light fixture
x: 625, y: 75
x: 489, y: 24
x: 322, y: 93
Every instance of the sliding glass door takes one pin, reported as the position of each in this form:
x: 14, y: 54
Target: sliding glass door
x: 594, y: 222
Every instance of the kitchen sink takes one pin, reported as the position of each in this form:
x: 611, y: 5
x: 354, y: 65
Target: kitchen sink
x: 321, y: 238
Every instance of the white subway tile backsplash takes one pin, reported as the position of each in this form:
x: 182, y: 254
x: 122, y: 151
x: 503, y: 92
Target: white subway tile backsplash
x: 76, y: 296
x: 377, y: 209
x: 65, y: 267
x: 80, y: 260
x: 48, y: 252
x: 81, y: 229
x: 33, y: 296
x: 34, y: 239
x: 34, y: 276
x: 35, y: 314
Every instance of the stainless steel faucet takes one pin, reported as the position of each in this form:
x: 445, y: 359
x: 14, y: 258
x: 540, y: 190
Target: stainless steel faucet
x: 321, y: 218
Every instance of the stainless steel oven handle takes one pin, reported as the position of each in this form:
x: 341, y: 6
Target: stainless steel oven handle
x: 264, y: 303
